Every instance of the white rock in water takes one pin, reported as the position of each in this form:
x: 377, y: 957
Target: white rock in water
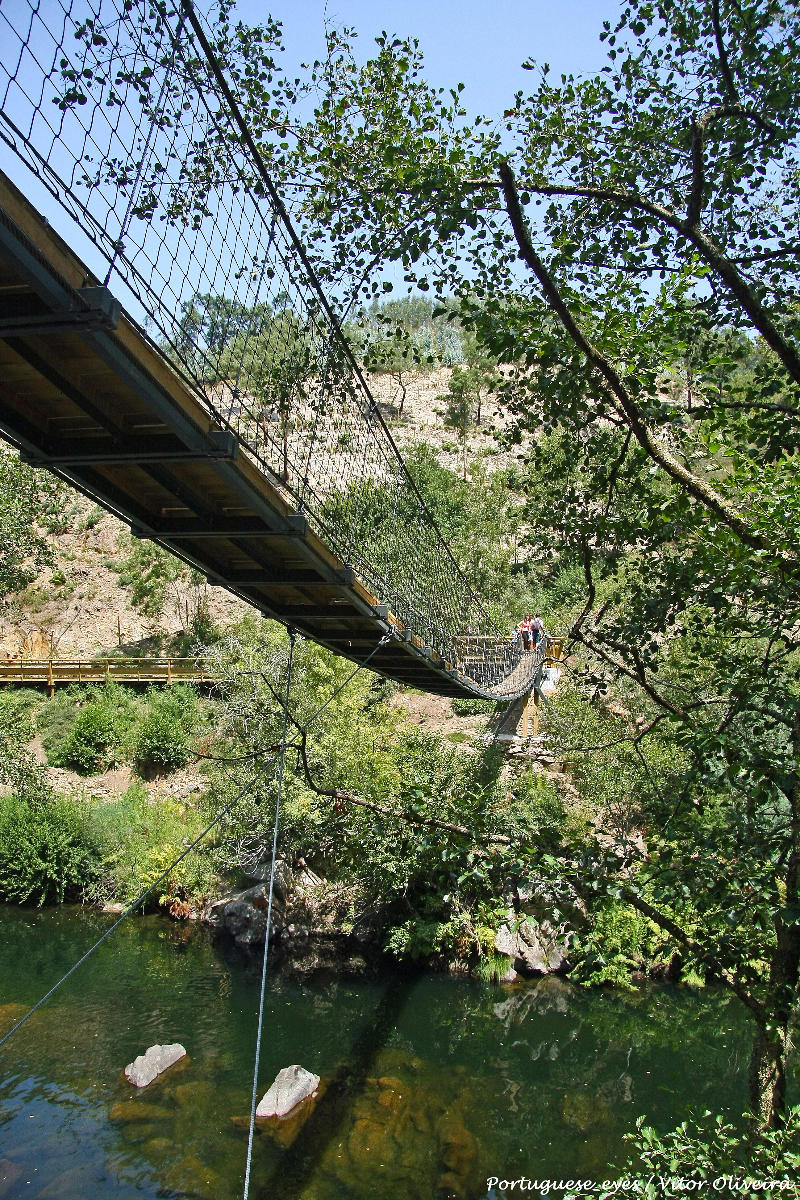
x: 152, y: 1063
x: 291, y: 1086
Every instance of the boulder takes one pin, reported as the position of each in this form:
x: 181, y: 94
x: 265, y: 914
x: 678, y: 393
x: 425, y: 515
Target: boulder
x: 259, y: 872
x: 535, y: 947
x: 292, y: 1085
x: 148, y: 1066
x: 243, y: 915
x: 542, y: 916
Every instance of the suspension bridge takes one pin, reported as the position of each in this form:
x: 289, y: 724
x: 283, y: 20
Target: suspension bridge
x: 167, y: 348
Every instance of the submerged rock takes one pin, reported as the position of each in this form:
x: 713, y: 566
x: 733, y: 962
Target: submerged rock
x: 125, y: 1111
x: 292, y: 1085
x: 191, y: 1177
x: 10, y: 1172
x: 148, y: 1066
x: 11, y: 1014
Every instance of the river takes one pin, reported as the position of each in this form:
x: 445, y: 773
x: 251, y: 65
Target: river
x: 433, y: 1084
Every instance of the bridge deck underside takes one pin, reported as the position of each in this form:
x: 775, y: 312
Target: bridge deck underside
x: 103, y: 409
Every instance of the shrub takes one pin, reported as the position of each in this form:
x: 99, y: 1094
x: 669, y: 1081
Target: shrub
x: 90, y: 744
x: 17, y: 710
x: 138, y: 837
x: 163, y: 741
x: 46, y: 850
x: 621, y: 940
x: 711, y: 1148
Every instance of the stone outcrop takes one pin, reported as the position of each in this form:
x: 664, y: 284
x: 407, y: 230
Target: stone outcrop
x: 291, y: 1087
x: 308, y: 916
x: 148, y: 1066
x: 243, y: 915
x: 535, y: 947
x: 541, y: 919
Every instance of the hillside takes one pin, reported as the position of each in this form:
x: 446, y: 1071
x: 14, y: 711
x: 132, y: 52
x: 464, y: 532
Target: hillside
x: 78, y: 606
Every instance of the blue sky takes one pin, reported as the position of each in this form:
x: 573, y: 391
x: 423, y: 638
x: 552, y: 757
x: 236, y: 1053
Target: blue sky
x: 480, y: 43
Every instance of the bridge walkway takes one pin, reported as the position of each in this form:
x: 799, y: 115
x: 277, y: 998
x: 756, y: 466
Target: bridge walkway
x: 85, y: 394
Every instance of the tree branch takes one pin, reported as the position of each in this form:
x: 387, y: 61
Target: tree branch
x: 397, y: 815
x: 705, y: 245
x: 616, y: 390
x: 722, y: 54
x: 699, y: 951
x: 698, y: 174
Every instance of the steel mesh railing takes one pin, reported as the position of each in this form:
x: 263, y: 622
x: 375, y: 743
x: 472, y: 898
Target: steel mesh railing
x: 121, y: 111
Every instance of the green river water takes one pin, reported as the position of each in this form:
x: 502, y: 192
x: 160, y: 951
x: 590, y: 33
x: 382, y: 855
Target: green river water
x: 434, y: 1084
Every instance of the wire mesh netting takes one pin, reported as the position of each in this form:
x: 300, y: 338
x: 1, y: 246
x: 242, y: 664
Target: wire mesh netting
x: 120, y: 110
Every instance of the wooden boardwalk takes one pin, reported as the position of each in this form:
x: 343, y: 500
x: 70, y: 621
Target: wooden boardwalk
x: 51, y: 671
x: 84, y: 393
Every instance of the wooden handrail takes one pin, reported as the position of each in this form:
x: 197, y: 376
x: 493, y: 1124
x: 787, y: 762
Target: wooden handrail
x: 51, y: 671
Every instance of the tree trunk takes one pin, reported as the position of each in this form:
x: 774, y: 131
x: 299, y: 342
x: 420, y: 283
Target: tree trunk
x: 767, y: 1081
x: 771, y: 1047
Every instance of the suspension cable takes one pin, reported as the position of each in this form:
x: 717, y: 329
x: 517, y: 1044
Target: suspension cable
x: 222, y: 812
x: 140, y: 899
x: 278, y: 793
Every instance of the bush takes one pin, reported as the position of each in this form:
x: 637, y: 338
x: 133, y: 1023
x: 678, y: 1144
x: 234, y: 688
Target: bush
x: 710, y: 1148
x: 17, y: 711
x: 138, y: 837
x: 90, y: 744
x: 164, y: 739
x: 621, y: 940
x: 46, y: 850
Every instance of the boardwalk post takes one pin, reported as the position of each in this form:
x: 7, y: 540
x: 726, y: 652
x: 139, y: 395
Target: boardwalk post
x: 51, y: 684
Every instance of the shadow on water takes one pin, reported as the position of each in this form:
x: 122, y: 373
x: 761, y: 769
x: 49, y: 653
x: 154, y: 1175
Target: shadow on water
x: 298, y: 1164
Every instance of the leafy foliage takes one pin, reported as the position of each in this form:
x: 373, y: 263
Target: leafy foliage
x: 25, y: 497
x: 164, y: 736
x: 46, y: 852
x: 91, y: 743
x: 710, y: 1148
x: 137, y: 837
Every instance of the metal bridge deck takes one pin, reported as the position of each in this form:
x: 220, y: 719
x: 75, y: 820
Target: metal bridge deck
x: 83, y: 393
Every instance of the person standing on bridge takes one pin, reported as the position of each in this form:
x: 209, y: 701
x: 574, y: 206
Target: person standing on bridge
x: 537, y: 630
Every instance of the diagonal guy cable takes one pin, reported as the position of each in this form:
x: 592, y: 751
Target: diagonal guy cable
x: 278, y: 793
x: 223, y: 811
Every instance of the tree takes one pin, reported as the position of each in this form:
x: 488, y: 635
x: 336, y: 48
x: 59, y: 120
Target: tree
x: 608, y: 219
x: 27, y: 500
x: 208, y: 325
x: 460, y: 407
x: 587, y: 237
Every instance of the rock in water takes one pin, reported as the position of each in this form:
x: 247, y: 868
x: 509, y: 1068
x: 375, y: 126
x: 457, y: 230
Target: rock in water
x: 152, y: 1063
x: 292, y: 1085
